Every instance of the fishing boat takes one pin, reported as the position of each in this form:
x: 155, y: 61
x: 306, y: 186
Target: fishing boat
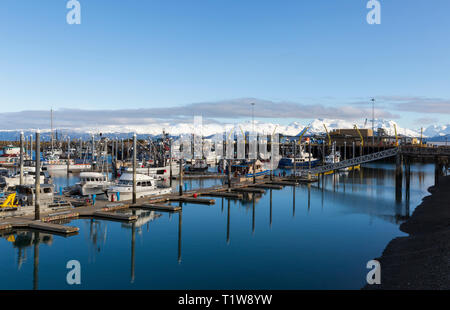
x: 11, y: 150
x: 156, y: 172
x: 53, y: 153
x: 26, y: 195
x: 93, y: 183
x: 198, y: 165
x: 301, y: 160
x: 333, y: 158
x: 145, y: 186
x: 11, y: 180
x: 61, y: 164
x: 244, y: 171
x: 9, y: 160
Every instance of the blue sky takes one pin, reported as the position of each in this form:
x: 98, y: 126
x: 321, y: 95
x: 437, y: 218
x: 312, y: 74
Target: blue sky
x: 158, y: 54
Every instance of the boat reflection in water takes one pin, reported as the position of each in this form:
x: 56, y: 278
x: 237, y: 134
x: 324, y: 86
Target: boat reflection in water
x: 282, y: 238
x: 22, y: 240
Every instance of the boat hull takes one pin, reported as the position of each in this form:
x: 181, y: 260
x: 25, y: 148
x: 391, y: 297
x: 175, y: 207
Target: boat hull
x: 249, y: 177
x: 73, y: 167
x: 289, y: 165
x: 140, y: 193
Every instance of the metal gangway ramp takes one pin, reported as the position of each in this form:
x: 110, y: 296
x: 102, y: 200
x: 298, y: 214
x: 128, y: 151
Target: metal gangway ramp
x: 349, y: 162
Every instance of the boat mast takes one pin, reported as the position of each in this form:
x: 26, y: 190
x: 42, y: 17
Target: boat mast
x: 51, y: 127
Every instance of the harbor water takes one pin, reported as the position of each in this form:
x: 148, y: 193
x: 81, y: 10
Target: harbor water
x: 309, y: 237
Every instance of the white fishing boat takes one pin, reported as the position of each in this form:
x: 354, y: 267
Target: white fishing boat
x: 9, y: 160
x: 244, y: 171
x: 61, y: 164
x: 145, y: 186
x: 93, y: 183
x: 28, y: 179
x: 156, y: 172
x: 11, y: 150
x: 333, y: 158
x: 53, y: 153
x: 198, y: 165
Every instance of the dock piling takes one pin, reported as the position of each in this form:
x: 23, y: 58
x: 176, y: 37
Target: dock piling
x: 21, y: 158
x: 398, y: 178
x: 68, y: 155
x: 181, y: 176
x: 37, y: 211
x: 134, y: 168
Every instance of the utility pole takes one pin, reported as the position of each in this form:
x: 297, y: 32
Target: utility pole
x: 295, y: 156
x: 68, y: 155
x: 170, y: 162
x: 21, y: 158
x: 181, y: 171
x: 93, y: 152
x: 309, y: 160
x: 254, y: 135
x: 121, y: 153
x: 31, y: 147
x: 373, y: 122
x: 37, y: 184
x: 51, y: 127
x: 345, y: 150
x: 134, y: 168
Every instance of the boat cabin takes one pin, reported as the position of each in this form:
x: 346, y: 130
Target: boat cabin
x: 26, y: 194
x: 246, y: 168
x: 92, y: 177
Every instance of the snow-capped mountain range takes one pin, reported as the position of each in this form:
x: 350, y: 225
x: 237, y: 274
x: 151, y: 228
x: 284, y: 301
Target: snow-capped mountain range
x: 208, y: 128
x: 436, y: 131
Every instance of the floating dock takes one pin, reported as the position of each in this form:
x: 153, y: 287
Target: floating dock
x: 107, y: 210
x: 249, y: 190
x: 157, y: 207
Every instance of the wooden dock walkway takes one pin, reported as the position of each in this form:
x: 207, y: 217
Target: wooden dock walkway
x: 193, y: 200
x: 268, y: 186
x: 53, y: 228
x: 107, y: 210
x: 157, y: 207
x: 249, y: 190
x: 229, y: 195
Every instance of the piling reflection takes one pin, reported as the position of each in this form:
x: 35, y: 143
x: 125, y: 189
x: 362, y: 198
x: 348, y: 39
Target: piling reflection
x: 344, y: 198
x: 133, y: 247
x: 180, y: 214
x: 253, y: 215
x: 381, y: 183
x: 228, y: 222
x: 36, y: 262
x: 293, y: 201
x: 270, y: 220
x: 309, y: 197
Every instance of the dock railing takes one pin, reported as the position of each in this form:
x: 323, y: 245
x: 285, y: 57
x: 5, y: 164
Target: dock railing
x: 348, y: 162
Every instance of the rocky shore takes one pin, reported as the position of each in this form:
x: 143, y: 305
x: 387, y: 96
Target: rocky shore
x: 422, y: 259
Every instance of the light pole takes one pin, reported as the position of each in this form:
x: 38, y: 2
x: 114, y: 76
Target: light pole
x: 253, y: 116
x: 253, y: 132
x: 373, y: 121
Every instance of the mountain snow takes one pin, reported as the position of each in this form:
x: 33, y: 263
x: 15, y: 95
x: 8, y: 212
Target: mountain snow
x: 211, y: 128
x: 435, y: 130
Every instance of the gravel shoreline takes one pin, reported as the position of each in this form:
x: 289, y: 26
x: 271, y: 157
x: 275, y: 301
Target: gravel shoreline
x: 422, y: 259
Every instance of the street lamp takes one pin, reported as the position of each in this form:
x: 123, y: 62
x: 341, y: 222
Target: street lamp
x: 256, y: 155
x: 373, y: 121
x: 253, y: 116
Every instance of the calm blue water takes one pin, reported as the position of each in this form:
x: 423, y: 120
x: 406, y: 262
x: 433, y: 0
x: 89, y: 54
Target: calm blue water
x: 323, y: 240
